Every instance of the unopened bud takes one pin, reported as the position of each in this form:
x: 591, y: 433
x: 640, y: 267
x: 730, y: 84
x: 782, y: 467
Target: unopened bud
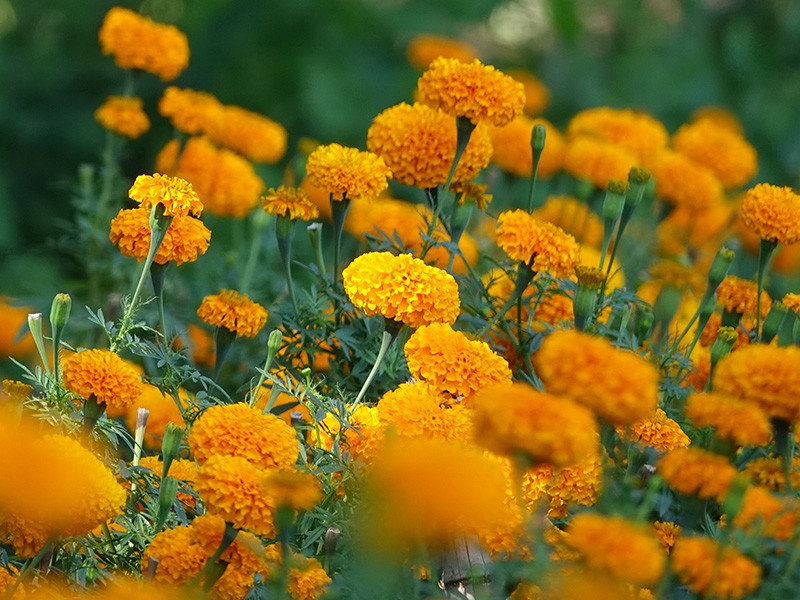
x: 538, y: 136
x: 614, y: 201
x: 720, y: 267
x: 170, y: 445
x: 59, y: 310
x: 726, y: 338
x: 774, y: 321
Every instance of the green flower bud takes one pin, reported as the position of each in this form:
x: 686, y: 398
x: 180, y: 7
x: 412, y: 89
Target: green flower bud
x: 774, y: 321
x: 59, y: 310
x: 170, y: 445
x: 538, y: 138
x: 720, y: 267
x: 614, y: 201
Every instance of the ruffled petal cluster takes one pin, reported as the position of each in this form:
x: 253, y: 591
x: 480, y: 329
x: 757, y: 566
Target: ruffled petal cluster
x: 289, y: 202
x: 597, y: 160
x: 696, y: 472
x: 233, y: 311
x: 347, y: 172
x: 712, y: 570
x: 123, y: 115
x: 683, y: 182
x: 420, y: 410
x: 540, y: 245
x: 104, y: 375
x: 176, y: 195
x: 740, y: 421
x: 772, y: 213
x: 635, y: 131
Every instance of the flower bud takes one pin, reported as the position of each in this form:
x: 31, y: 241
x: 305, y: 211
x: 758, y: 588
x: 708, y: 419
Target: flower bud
x: 614, y: 201
x: 170, y: 445
x: 720, y: 267
x: 590, y: 280
x: 774, y: 321
x: 59, y: 311
x: 726, y: 338
x: 538, y: 136
x: 35, y: 326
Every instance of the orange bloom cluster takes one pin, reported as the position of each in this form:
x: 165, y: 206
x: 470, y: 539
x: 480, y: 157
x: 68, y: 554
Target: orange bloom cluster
x: 574, y: 217
x: 176, y: 195
x: 714, y: 571
x: 773, y: 516
x: 307, y: 579
x: 347, y: 172
x: 767, y: 471
x: 512, y: 150
x: 473, y: 90
x: 683, y: 182
x: 289, y: 202
x: 402, y: 288
x: 740, y: 296
x: 424, y: 48
x: 190, y: 111
x: 137, y: 42
x: 420, y: 410
x: 574, y: 485
x: 537, y: 95
x: 364, y: 436
x: 772, y: 213
x: 635, y: 131
x: 233, y: 311
x: 104, y: 375
x: 13, y: 319
x: 538, y: 244
x: 740, y: 421
x: 597, y: 161
x: 693, y: 471
x: 123, y: 115
x: 658, y: 431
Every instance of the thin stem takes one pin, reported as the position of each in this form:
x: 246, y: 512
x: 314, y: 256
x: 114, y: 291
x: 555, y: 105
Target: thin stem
x: 464, y: 129
x: 338, y: 215
x: 283, y: 233
x: 524, y: 276
x: 765, y: 252
x: 385, y: 342
x: 258, y: 222
x: 30, y: 565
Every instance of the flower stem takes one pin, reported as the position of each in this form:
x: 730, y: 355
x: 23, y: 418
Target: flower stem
x: 283, y: 233
x: 338, y: 214
x: 258, y: 222
x: 765, y: 253
x: 26, y: 571
x: 385, y: 342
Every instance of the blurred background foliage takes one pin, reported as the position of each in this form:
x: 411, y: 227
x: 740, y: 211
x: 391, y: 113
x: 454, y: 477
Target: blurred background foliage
x: 325, y: 68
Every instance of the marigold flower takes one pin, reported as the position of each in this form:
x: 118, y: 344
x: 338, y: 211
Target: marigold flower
x: 289, y: 202
x: 104, y: 375
x: 512, y: 418
x: 181, y: 469
x: 226, y: 183
x: 8, y: 578
x: 712, y: 570
x: 770, y: 515
x: 764, y: 375
x: 15, y: 340
x: 248, y: 133
x: 424, y: 48
x: 233, y: 311
x: 190, y: 111
x: 620, y: 386
x: 448, y: 360
x: 740, y: 296
x: 683, y: 182
x: 638, y: 132
x: 163, y: 411
x: 401, y: 288
x: 176, y: 195
x: 667, y: 532
x: 512, y: 147
x: 347, y: 172
x: 697, y: 472
x: 732, y: 159
x: 537, y: 94
x: 185, y: 240
x: 307, y: 579
x: 740, y: 421
x: 123, y: 115
x: 179, y: 559
x: 472, y: 90
x: 767, y: 471
x: 597, y: 161
x: 246, y: 553
x: 238, y: 430
x: 137, y: 42
x: 574, y: 217
x: 772, y: 212
x: 792, y: 302
x: 658, y: 431
x: 574, y: 485
x: 623, y: 549
x: 125, y: 587
x: 418, y: 144
x: 538, y: 244
x: 721, y: 117
x: 293, y: 489
x: 15, y: 392
x: 362, y: 439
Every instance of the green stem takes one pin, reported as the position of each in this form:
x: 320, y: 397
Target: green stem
x: 283, y: 233
x: 385, y: 342
x: 157, y: 273
x: 26, y: 571
x: 784, y: 444
x: 214, y: 568
x: 765, y: 253
x: 524, y: 276
x: 258, y: 222
x: 338, y: 215
x: 464, y: 129
x: 223, y: 341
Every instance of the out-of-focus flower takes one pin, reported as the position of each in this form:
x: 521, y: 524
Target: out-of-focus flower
x: 163, y: 411
x: 740, y: 421
x: 597, y: 160
x: 15, y: 340
x: 712, y: 570
x: 424, y: 48
x: 307, y: 579
x: 635, y: 131
x: 683, y: 182
x: 697, y: 472
x: 540, y: 245
x: 123, y: 115
x: 512, y: 150
x: 537, y: 95
x: 729, y: 156
x: 574, y: 217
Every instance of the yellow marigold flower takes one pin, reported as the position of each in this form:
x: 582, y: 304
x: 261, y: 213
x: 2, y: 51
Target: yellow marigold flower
x: 635, y: 131
x: 658, y: 431
x: 15, y: 339
x: 667, y: 533
x: 123, y: 115
x: 571, y: 583
x: 697, y: 472
x: 190, y: 111
x: 418, y: 144
x: 574, y: 485
x: 740, y: 296
x: 626, y: 550
x: 740, y: 421
x: 179, y: 558
x: 137, y: 42
x: 201, y: 345
x: 233, y: 311
x: 574, y: 217
x: 232, y: 487
x: 721, y: 117
x: 515, y: 417
x: 772, y: 212
x: 401, y: 288
x: 186, y: 238
x: 8, y: 578
x: 226, y: 183
x: 293, y: 489
x: 768, y: 471
x: 246, y: 553
x: 347, y: 172
x: 732, y: 159
x: 176, y: 195
x: 362, y: 439
x: 540, y: 245
x: 181, y: 469
x: 769, y: 515
x: 424, y: 48
x: 618, y: 385
x: 512, y: 147
x: 537, y: 95
x: 307, y: 579
x: 248, y: 133
x: 712, y: 570
x: 683, y: 182
x: 163, y: 410
x: 289, y: 202
x: 672, y: 273
x: 597, y: 161
x: 104, y: 375
x: 451, y: 362
x: 473, y: 90
x: 554, y: 308
x: 14, y: 392
x: 238, y: 430
x: 792, y: 302
x: 764, y: 375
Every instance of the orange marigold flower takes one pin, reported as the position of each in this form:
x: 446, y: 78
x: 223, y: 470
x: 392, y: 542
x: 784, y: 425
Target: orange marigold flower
x: 15, y: 338
x: 125, y: 587
x: 185, y: 240
x: 402, y: 288
x: 683, y: 182
x: 770, y: 515
x: 248, y: 133
x: 740, y: 296
x: 697, y: 472
x: 163, y: 409
x: 289, y: 202
x: 574, y: 485
x: 234, y: 311
x: 307, y: 579
x: 540, y: 245
x: 768, y: 471
x: 451, y: 362
x: 176, y: 195
x: 226, y: 183
x: 574, y: 217
x: 635, y: 131
x: 620, y: 386
x: 740, y: 421
x: 473, y: 90
x: 238, y: 430
x: 512, y: 147
x: 418, y: 144
x: 764, y: 375
x: 181, y: 469
x: 667, y: 532
x: 515, y: 417
x: 293, y: 489
x: 123, y: 115
x: 658, y: 431
x: 721, y: 117
x: 424, y: 48
x: 597, y: 161
x: 792, y: 302
x: 137, y: 42
x: 626, y: 550
x: 732, y: 159
x: 713, y: 570
x: 8, y: 578
x: 104, y: 375
x: 772, y: 212
x: 347, y: 172
x: 190, y: 111
x: 537, y: 95
x: 15, y: 392
x: 362, y: 438
x: 232, y: 487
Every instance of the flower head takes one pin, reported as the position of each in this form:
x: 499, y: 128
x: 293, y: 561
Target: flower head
x: 658, y: 431
x: 292, y: 488
x: 740, y: 296
x: 176, y: 195
x: 190, y: 111
x: 577, y: 484
x: 638, y: 132
x: 362, y: 439
x: 737, y: 420
x: 512, y: 151
x: 347, y: 172
x: 697, y: 472
x: 472, y: 90
x: 163, y: 410
x: 683, y: 182
x: 248, y: 133
x: 771, y: 515
x: 574, y: 217
x: 712, y: 570
x: 289, y: 202
x: 104, y: 375
x: 307, y: 579
x: 541, y: 245
x: 424, y: 48
x: 234, y: 311
x: 772, y: 212
x: 123, y: 115
x: 597, y: 160
x: 137, y: 42
x: 537, y: 95
x: 402, y: 288
x: 14, y: 340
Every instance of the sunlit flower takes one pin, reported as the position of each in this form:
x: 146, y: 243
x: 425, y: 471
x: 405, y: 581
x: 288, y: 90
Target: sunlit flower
x: 712, y: 570
x: 740, y: 296
x: 402, y: 288
x: 289, y: 202
x: 697, y: 472
x: 191, y: 112
x: 362, y: 439
x: 684, y: 183
x: 770, y: 515
x: 123, y: 115
x: 667, y: 532
x: 347, y: 172
x: 537, y: 95
x: 574, y: 217
x: 164, y: 409
x: 740, y: 421
x: 307, y: 579
x: 137, y: 42
x: 597, y: 161
x: 176, y: 195
x: 541, y: 245
x: 658, y: 431
x: 104, y: 375
x: 233, y: 311
x: 248, y: 133
x: 635, y: 131
x: 574, y: 485
x: 772, y: 212
x: 512, y: 147
x: 473, y: 90
x: 420, y: 410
